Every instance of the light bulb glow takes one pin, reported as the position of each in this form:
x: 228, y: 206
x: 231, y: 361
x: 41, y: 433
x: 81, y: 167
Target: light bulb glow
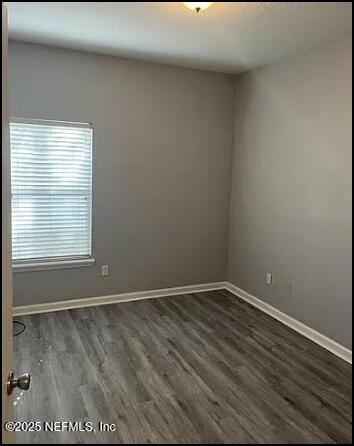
x: 198, y: 6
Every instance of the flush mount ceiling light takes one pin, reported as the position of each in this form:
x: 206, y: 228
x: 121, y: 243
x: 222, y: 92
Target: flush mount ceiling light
x: 198, y: 6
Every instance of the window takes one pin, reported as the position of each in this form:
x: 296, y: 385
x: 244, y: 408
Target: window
x: 51, y: 176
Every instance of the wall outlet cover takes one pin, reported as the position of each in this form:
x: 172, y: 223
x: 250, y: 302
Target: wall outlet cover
x: 290, y: 288
x: 269, y: 278
x: 104, y: 270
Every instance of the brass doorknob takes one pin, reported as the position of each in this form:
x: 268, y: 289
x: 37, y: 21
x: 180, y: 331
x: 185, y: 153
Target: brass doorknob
x: 22, y: 382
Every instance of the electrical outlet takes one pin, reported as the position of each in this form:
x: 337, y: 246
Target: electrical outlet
x: 269, y: 279
x: 290, y: 288
x: 104, y: 270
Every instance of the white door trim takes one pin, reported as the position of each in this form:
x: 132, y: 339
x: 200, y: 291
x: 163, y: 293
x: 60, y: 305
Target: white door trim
x: 6, y: 287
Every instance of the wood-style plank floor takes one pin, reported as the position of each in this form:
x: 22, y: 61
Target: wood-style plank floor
x: 201, y: 368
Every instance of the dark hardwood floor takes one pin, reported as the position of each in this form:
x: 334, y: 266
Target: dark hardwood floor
x: 202, y: 368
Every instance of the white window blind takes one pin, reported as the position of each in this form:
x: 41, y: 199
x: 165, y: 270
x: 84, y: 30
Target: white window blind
x: 51, y: 176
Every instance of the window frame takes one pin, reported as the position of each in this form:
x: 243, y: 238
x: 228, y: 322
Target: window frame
x: 59, y: 262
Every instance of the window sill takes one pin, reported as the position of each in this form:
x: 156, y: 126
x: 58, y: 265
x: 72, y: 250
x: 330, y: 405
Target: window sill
x: 58, y: 264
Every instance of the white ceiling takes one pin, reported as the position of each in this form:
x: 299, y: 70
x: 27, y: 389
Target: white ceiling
x: 229, y: 37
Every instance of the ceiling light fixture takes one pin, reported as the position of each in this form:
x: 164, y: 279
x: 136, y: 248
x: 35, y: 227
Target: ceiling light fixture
x: 198, y: 6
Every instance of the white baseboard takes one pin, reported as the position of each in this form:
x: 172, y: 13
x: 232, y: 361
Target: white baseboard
x: 114, y: 298
x: 310, y: 333
x: 296, y: 325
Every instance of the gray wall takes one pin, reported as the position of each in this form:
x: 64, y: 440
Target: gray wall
x: 162, y: 166
x: 162, y: 175
x: 291, y: 187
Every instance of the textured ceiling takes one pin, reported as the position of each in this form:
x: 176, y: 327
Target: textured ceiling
x: 228, y: 37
